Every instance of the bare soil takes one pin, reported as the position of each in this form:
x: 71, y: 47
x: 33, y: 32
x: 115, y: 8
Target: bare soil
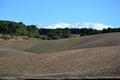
x: 89, y: 56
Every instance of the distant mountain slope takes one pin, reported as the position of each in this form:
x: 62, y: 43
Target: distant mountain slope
x: 98, y: 26
x: 90, y: 62
x: 45, y: 46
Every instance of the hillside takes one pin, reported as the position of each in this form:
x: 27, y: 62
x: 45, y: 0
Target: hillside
x: 11, y: 52
x: 81, y: 57
x: 45, y: 46
x: 91, y: 62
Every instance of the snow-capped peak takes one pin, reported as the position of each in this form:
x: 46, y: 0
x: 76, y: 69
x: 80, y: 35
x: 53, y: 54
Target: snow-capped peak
x: 98, y: 26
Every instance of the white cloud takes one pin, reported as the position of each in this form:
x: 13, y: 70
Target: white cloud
x: 98, y: 26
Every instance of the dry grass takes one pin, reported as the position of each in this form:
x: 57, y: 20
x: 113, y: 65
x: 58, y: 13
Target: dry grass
x: 89, y: 56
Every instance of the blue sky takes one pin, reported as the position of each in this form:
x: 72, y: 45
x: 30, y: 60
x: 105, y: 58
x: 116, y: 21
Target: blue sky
x: 56, y: 11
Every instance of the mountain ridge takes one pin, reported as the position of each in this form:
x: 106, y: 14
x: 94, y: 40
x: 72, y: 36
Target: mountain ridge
x: 98, y: 26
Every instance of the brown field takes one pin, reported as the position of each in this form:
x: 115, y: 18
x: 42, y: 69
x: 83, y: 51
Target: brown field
x: 81, y: 57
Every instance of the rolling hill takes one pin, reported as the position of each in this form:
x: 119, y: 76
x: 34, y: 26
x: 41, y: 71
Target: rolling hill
x: 90, y: 62
x: 45, y: 46
x: 81, y: 57
x: 11, y: 52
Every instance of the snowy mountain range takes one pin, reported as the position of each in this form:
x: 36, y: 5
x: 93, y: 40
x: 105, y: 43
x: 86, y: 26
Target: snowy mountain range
x: 98, y: 26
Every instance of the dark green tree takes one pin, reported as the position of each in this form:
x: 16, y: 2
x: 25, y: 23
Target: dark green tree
x: 66, y: 33
x: 33, y: 31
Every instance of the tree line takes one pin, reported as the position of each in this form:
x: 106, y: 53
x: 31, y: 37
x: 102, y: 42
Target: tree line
x: 55, y: 33
x: 31, y: 31
x: 80, y: 31
x: 17, y: 29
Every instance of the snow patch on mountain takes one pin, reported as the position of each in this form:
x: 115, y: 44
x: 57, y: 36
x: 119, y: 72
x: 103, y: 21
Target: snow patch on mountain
x: 98, y: 26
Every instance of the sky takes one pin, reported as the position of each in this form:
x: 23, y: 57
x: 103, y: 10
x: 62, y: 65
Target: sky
x: 61, y: 11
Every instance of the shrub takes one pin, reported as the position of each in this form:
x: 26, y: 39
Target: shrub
x: 5, y: 37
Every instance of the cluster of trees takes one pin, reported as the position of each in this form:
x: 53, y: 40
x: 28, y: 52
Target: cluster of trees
x: 55, y: 33
x: 109, y: 30
x: 59, y: 33
x: 90, y: 31
x: 20, y: 29
x: 84, y: 31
